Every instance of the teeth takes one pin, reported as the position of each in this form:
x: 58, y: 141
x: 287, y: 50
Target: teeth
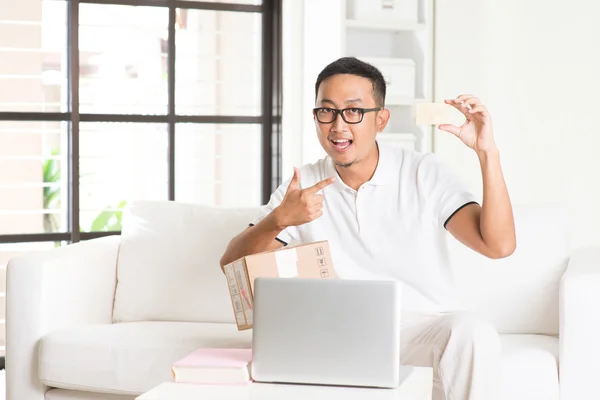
x: 341, y: 143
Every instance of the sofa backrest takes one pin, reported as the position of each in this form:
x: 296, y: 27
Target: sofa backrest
x: 168, y: 263
x: 168, y: 267
x: 518, y: 294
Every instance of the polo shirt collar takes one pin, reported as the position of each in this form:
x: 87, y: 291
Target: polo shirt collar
x: 384, y: 172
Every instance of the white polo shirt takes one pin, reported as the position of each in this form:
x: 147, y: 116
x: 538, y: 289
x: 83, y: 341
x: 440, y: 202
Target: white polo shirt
x: 391, y: 228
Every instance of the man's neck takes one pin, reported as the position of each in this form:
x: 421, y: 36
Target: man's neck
x: 359, y: 172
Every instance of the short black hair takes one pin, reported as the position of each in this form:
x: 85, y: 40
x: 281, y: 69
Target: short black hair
x: 354, y: 66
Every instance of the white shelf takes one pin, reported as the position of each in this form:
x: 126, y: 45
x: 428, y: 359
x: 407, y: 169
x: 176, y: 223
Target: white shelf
x: 398, y: 135
x: 406, y: 140
x: 398, y: 41
x: 399, y: 101
x: 396, y: 101
x: 390, y: 60
x: 400, y: 26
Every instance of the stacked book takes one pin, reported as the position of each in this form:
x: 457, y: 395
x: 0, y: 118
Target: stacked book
x: 214, y: 367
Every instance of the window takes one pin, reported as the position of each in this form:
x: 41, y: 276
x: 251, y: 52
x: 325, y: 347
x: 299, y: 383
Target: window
x: 102, y: 101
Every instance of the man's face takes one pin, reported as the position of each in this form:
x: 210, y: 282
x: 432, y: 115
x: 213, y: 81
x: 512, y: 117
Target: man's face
x: 348, y: 143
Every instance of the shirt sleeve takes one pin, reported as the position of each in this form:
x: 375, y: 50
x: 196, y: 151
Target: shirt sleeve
x: 289, y: 234
x: 443, y: 190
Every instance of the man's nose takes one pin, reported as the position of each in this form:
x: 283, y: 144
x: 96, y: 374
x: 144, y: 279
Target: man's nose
x: 338, y: 123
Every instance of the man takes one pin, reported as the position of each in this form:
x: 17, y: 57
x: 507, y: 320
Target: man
x: 384, y: 212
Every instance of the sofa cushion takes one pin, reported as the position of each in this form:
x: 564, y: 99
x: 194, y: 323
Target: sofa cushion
x: 168, y: 264
x: 518, y: 294
x: 529, y: 367
x: 127, y: 358
x: 67, y: 394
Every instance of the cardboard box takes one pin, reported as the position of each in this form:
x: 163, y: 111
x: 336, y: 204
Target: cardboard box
x: 311, y: 260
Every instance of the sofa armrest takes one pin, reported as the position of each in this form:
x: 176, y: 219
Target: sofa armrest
x: 580, y: 325
x: 51, y: 290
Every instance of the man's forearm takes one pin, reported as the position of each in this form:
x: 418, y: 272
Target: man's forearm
x: 496, y: 221
x: 260, y: 237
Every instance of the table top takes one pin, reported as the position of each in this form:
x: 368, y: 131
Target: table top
x: 417, y: 386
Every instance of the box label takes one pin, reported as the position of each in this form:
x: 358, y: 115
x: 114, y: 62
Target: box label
x: 244, y: 291
x: 238, y: 308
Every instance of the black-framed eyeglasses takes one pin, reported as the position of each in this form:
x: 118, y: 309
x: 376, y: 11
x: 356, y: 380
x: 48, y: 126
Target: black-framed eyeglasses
x: 354, y: 115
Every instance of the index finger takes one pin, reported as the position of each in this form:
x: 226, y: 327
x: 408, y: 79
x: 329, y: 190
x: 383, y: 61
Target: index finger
x: 323, y: 184
x: 460, y: 106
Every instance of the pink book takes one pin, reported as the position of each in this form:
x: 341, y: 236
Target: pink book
x: 214, y: 366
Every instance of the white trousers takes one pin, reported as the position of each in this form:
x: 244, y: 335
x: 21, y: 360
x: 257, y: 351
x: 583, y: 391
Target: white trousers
x: 463, y: 350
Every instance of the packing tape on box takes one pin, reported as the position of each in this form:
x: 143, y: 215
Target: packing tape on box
x: 287, y: 263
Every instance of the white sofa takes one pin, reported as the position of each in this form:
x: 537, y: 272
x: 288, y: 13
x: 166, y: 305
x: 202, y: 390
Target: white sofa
x: 104, y: 319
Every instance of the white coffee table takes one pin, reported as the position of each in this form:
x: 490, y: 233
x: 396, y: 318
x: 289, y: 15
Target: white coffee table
x: 416, y: 386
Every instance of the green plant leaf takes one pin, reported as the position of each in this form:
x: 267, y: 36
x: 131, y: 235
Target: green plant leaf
x: 51, y: 193
x: 51, y: 175
x: 109, y: 219
x: 100, y: 223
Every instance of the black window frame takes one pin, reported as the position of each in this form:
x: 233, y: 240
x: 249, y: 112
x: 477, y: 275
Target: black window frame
x: 270, y: 118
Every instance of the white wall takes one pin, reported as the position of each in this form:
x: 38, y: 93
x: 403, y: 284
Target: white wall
x: 535, y: 64
x: 312, y: 38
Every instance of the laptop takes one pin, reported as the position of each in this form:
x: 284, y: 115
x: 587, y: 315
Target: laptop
x: 327, y: 332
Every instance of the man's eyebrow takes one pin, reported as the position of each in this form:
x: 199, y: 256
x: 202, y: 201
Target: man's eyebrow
x: 353, y: 101
x: 328, y: 101
x: 349, y: 101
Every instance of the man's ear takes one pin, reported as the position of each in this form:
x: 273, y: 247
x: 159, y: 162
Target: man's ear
x: 382, y: 119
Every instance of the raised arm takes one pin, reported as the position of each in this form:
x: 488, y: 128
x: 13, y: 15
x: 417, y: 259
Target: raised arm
x: 488, y: 229
x: 298, y: 206
x: 255, y: 239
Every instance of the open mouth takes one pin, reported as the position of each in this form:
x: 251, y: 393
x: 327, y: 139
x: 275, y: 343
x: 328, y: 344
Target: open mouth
x: 341, y: 144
